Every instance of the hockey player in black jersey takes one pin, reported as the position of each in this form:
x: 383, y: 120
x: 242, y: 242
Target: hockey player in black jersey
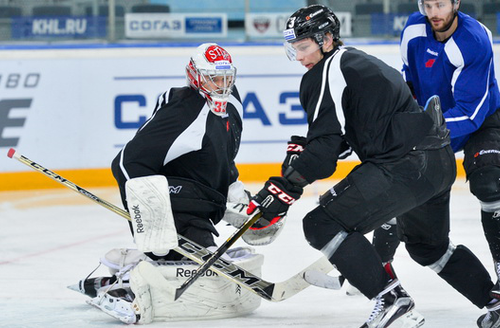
x: 192, y: 139
x: 407, y: 167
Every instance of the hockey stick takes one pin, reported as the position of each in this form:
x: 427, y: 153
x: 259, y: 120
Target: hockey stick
x: 217, y: 254
x: 270, y: 291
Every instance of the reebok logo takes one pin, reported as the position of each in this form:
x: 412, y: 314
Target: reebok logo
x: 138, y: 219
x: 430, y: 63
x: 186, y: 273
x: 432, y: 52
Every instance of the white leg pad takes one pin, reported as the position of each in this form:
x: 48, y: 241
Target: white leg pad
x: 149, y: 205
x: 210, y: 297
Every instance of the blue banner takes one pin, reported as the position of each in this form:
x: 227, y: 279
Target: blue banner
x: 204, y: 25
x: 59, y: 27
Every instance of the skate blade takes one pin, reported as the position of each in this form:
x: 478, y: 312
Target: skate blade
x: 76, y: 288
x: 412, y: 319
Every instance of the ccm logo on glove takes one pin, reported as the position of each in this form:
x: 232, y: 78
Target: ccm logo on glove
x: 293, y: 147
x: 284, y: 197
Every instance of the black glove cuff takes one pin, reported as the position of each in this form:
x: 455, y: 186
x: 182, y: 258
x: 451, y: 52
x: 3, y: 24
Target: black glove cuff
x: 295, y: 177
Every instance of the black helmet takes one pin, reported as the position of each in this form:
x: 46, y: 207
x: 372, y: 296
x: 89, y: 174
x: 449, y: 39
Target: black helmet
x: 312, y: 22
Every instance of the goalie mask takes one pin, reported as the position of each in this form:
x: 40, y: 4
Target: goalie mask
x: 211, y: 72
x: 310, y: 22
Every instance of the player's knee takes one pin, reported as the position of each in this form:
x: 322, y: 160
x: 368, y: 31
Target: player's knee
x: 319, y: 228
x: 485, y: 183
x: 432, y: 255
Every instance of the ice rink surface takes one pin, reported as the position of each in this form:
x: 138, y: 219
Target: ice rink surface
x: 53, y: 238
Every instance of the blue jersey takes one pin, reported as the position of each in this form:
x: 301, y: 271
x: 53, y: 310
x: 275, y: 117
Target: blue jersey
x: 460, y: 71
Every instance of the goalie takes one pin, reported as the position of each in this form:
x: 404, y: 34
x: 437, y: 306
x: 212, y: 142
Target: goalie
x: 175, y: 177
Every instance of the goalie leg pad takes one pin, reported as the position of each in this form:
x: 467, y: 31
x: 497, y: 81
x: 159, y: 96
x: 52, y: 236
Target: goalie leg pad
x: 149, y: 205
x: 210, y: 297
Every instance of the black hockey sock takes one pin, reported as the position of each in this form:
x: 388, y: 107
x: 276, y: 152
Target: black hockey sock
x: 360, y: 265
x: 386, y: 241
x: 466, y: 274
x: 491, y: 227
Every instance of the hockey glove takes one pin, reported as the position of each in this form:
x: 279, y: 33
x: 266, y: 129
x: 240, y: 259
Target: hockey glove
x: 295, y: 147
x: 274, y: 200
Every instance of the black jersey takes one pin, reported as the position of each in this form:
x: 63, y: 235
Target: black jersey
x: 184, y: 139
x: 352, y: 96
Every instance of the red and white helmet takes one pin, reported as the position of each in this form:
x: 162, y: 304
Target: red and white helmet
x: 211, y: 71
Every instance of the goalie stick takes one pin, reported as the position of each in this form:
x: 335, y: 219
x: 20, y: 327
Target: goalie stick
x: 274, y: 292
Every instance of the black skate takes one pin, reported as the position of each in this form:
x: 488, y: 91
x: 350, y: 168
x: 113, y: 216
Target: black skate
x: 492, y: 318
x: 394, y: 308
x: 91, y: 286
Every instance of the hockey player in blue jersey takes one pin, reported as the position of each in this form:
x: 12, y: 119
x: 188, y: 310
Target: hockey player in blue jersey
x: 448, y: 53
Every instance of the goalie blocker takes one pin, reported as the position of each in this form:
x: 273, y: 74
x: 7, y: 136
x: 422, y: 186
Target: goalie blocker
x: 151, y: 214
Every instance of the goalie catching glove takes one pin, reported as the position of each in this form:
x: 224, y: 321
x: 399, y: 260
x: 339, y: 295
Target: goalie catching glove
x: 273, y: 200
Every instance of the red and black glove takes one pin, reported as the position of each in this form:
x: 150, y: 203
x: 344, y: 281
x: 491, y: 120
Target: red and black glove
x: 274, y: 200
x: 295, y: 147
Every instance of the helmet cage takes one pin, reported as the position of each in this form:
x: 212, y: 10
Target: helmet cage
x: 211, y: 72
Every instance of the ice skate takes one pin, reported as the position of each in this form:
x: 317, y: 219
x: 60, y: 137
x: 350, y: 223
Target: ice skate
x: 353, y: 291
x: 394, y: 308
x: 116, y: 303
x: 91, y: 286
x: 490, y: 319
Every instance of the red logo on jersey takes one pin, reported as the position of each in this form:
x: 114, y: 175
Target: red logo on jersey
x: 429, y: 63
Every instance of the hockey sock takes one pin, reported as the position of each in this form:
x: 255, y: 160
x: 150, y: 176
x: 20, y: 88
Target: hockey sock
x: 360, y: 265
x: 491, y: 227
x: 386, y: 241
x: 467, y: 275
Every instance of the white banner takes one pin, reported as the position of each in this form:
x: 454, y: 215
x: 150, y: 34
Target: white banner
x: 175, y: 26
x: 271, y: 25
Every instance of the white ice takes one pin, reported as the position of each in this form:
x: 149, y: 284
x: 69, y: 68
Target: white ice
x: 53, y: 238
